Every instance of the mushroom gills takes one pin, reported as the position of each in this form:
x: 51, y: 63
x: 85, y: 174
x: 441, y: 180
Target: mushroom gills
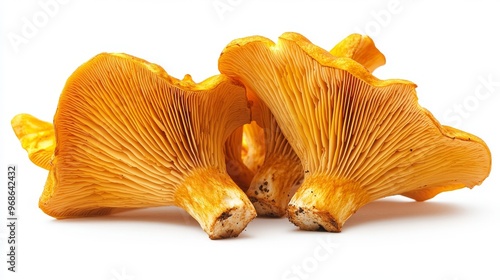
x: 281, y: 174
x: 358, y: 138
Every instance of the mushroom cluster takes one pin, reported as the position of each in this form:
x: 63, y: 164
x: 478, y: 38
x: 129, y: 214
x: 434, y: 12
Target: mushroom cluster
x: 297, y: 131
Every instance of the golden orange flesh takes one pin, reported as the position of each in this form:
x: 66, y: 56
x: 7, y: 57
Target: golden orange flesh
x: 281, y: 173
x: 128, y: 135
x: 253, y: 146
x: 37, y: 137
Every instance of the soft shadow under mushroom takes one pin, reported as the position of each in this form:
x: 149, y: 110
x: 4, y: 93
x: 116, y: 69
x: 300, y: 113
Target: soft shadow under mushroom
x: 162, y: 215
x: 392, y: 209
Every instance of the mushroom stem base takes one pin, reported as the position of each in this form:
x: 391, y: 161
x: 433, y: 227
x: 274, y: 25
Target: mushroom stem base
x: 324, y: 202
x: 216, y: 202
x: 274, y: 185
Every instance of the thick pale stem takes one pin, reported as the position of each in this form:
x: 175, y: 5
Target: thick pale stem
x: 324, y: 202
x: 216, y: 202
x: 274, y: 185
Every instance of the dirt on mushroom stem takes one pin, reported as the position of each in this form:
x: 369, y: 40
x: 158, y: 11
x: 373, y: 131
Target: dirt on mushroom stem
x: 324, y: 202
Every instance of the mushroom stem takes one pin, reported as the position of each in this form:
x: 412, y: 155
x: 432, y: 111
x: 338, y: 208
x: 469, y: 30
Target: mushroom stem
x: 274, y: 184
x: 216, y: 202
x: 324, y: 202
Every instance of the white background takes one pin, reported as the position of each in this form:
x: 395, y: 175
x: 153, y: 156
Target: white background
x: 451, y: 51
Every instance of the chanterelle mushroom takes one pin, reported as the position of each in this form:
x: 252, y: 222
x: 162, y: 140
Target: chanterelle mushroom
x: 359, y: 138
x: 129, y: 135
x: 281, y: 174
x: 361, y: 49
x: 235, y: 167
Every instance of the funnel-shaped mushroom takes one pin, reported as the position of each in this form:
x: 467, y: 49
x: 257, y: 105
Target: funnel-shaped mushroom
x: 128, y: 135
x: 281, y: 174
x: 358, y: 138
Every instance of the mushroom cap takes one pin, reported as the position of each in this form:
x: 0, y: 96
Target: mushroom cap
x: 360, y: 48
x: 128, y: 134
x: 366, y: 138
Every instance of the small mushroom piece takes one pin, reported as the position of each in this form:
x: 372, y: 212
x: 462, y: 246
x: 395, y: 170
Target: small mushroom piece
x: 128, y: 135
x: 37, y: 138
x: 358, y: 138
x: 360, y: 48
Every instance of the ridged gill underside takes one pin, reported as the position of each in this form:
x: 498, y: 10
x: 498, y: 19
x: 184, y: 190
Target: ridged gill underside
x: 127, y: 134
x: 346, y: 124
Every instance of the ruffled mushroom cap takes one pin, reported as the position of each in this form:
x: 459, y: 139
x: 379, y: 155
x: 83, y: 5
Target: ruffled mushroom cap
x: 360, y: 48
x: 128, y: 135
x: 359, y: 138
x: 37, y: 138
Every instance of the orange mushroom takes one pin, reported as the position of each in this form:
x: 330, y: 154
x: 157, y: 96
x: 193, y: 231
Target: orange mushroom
x: 360, y: 48
x: 281, y: 173
x: 358, y: 138
x: 128, y: 135
x: 235, y: 167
